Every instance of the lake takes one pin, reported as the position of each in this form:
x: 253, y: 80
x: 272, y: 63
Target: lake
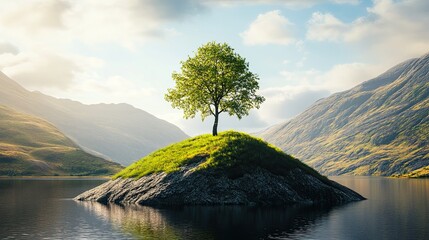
x: 44, y: 209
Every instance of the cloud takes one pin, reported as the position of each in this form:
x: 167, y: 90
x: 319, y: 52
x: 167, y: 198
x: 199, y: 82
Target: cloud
x: 35, y: 16
x: 286, y: 102
x: 127, y: 23
x: 304, y: 77
x: 91, y: 88
x: 39, y: 70
x: 342, y: 77
x: 269, y: 28
x: 391, y: 30
x: 338, y: 78
x: 115, y: 89
x: 325, y: 27
x: 45, y: 29
x: 8, y: 48
x: 307, y: 86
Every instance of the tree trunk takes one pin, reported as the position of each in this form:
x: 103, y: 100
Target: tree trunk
x: 215, y: 125
x: 216, y: 115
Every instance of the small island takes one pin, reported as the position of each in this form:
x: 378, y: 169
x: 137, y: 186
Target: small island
x: 231, y: 168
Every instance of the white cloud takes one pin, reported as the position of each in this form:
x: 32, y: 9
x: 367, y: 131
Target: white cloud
x: 391, y: 31
x: 338, y: 78
x: 345, y: 76
x: 46, y: 30
x: 115, y: 89
x: 35, y: 16
x: 40, y: 70
x: 42, y: 31
x: 325, y: 27
x: 127, y: 23
x: 91, y: 88
x: 288, y: 101
x: 306, y: 87
x: 300, y: 77
x: 6, y: 47
x: 269, y: 28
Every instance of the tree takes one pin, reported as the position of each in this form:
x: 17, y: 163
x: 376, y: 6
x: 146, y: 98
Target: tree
x: 214, y: 81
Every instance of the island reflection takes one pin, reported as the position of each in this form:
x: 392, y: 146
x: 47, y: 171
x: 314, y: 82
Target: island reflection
x: 210, y: 222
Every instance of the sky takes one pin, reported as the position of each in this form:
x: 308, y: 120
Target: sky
x: 124, y: 51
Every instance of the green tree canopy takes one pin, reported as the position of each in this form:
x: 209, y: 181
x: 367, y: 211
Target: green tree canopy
x: 214, y: 81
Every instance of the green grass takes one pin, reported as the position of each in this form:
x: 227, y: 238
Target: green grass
x: 31, y: 146
x: 230, y: 151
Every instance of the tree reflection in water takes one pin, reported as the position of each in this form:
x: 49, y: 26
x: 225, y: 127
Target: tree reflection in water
x: 210, y: 222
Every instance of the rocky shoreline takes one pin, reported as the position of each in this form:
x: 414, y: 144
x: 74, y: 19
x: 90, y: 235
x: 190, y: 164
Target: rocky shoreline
x: 257, y: 186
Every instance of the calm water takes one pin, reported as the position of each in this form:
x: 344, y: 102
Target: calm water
x: 43, y: 209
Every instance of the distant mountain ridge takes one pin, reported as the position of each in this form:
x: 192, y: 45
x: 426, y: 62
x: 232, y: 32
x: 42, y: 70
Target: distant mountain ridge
x: 32, y: 146
x: 116, y: 131
x: 379, y: 127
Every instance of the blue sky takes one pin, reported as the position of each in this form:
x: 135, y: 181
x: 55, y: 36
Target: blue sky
x: 125, y: 51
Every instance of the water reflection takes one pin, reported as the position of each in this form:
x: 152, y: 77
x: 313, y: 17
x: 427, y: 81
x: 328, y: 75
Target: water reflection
x: 209, y: 222
x: 43, y: 209
x: 395, y: 209
x: 140, y: 221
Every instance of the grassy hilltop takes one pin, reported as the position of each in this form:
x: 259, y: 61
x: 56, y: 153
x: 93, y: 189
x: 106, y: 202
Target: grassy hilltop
x: 229, y: 169
x: 32, y: 146
x: 230, y: 151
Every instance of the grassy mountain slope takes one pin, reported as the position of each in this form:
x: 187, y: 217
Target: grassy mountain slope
x: 380, y: 127
x: 230, y: 151
x: 418, y: 173
x: 32, y: 146
x: 116, y: 131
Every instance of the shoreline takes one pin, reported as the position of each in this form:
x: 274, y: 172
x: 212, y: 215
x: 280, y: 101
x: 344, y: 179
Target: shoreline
x: 55, y: 177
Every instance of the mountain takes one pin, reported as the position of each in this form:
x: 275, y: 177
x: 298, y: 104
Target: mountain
x: 31, y: 146
x: 116, y: 131
x: 229, y: 169
x: 380, y: 127
x: 418, y: 173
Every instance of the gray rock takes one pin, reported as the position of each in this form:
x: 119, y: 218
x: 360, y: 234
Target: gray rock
x: 209, y: 187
